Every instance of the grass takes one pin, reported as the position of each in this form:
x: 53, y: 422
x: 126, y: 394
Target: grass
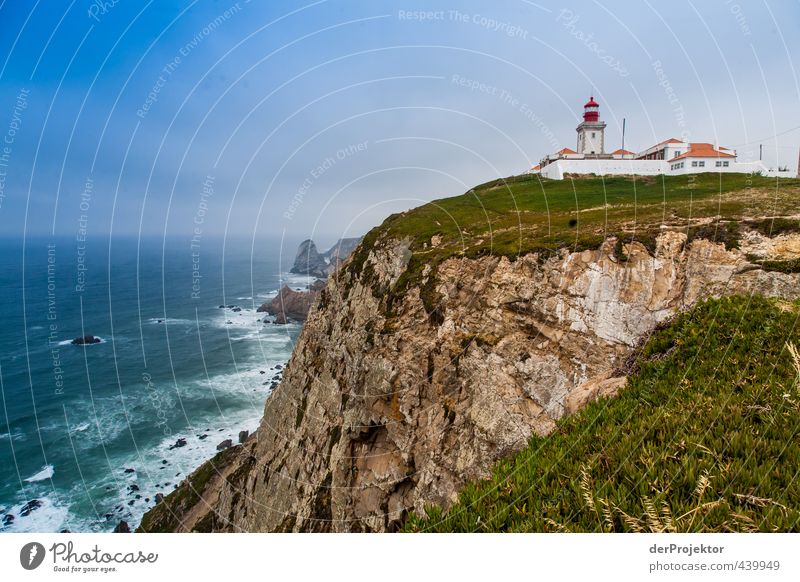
x: 524, y: 214
x: 706, y: 437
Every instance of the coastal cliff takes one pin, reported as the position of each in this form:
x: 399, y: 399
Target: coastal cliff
x: 425, y: 361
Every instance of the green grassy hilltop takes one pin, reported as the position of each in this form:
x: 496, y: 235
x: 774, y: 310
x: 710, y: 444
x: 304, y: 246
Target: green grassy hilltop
x: 706, y: 437
x: 522, y: 214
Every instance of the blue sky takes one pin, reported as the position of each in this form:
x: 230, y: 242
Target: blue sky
x: 320, y: 119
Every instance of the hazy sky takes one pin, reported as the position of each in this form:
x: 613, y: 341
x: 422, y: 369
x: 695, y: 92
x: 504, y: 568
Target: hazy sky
x: 320, y: 119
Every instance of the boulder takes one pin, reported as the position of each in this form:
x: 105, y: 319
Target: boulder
x: 226, y: 444
x: 122, y: 527
x: 87, y: 339
x: 243, y: 434
x: 181, y: 442
x: 32, y: 505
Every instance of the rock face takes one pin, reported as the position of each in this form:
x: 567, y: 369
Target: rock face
x: 290, y: 304
x: 387, y: 406
x: 308, y: 260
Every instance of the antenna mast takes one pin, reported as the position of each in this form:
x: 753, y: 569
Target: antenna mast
x: 623, y: 133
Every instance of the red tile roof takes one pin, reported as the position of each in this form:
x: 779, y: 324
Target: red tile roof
x: 703, y: 150
x: 536, y: 167
x: 622, y: 152
x: 567, y: 151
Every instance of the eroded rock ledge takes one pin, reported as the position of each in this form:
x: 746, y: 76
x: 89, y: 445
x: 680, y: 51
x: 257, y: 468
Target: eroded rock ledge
x: 384, y: 408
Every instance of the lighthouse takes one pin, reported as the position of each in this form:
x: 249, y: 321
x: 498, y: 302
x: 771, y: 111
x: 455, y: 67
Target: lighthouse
x: 591, y: 130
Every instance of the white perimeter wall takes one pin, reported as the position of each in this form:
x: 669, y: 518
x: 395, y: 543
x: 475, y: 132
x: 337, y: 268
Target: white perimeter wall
x: 557, y: 169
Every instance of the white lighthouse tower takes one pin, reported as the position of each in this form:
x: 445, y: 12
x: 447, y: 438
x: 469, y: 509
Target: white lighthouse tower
x: 591, y: 131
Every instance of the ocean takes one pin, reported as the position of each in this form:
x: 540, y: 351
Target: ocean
x: 88, y: 433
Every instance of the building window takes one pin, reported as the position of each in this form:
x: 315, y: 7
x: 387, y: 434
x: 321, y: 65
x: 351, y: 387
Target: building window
x: 701, y: 164
x: 718, y: 164
x: 592, y: 134
x: 694, y: 164
x: 725, y: 164
x: 677, y: 153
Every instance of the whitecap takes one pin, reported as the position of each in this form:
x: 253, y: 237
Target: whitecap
x: 80, y: 427
x: 17, y: 435
x: 46, y: 473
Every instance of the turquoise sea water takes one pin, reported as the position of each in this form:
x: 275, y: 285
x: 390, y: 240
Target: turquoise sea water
x: 86, y: 431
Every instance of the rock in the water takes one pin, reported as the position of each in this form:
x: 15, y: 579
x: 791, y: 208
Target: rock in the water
x: 243, y: 434
x: 87, y: 339
x: 129, y: 470
x: 290, y: 304
x: 32, y: 505
x: 8, y: 519
x: 226, y: 444
x: 122, y: 527
x: 159, y: 498
x: 308, y: 260
x: 181, y: 442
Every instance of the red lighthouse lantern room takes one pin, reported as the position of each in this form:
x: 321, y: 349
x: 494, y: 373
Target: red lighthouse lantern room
x: 591, y: 111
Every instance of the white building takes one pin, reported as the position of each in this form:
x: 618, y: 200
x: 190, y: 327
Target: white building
x: 670, y: 157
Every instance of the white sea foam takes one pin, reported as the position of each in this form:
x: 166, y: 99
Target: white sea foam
x: 49, y: 517
x: 297, y: 281
x: 46, y: 473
